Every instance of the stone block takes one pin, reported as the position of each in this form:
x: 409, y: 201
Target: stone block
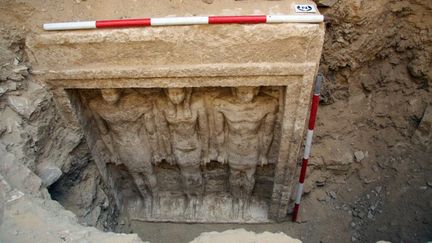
x: 206, y: 120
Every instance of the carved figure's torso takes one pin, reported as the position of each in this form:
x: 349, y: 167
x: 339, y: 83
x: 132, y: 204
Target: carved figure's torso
x: 126, y: 127
x: 243, y: 121
x: 183, y: 129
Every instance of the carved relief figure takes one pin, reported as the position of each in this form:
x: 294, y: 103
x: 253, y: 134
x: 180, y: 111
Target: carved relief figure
x: 183, y: 127
x: 126, y: 124
x: 244, y: 125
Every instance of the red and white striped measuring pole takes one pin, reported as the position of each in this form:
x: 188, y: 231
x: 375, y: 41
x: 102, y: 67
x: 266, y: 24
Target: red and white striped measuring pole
x: 125, y: 23
x: 308, y: 144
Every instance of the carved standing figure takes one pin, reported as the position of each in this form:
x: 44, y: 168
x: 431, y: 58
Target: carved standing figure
x: 244, y: 125
x: 126, y: 124
x: 182, y: 122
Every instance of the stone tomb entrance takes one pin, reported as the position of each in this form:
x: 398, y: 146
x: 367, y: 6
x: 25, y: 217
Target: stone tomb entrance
x: 188, y: 123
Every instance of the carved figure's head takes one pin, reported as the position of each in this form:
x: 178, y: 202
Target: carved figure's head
x: 245, y: 94
x: 111, y: 95
x: 176, y: 95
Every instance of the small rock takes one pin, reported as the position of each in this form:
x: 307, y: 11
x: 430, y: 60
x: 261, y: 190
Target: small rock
x: 368, y: 180
x: 21, y: 69
x: 361, y: 215
x: 359, y: 156
x: 208, y: 1
x: 370, y: 215
x: 337, y: 155
x: 105, y: 204
x: 16, y: 77
x: 353, y: 224
x: 423, y: 134
x: 320, y: 183
x: 332, y: 194
x: 417, y: 67
x: 378, y: 189
x: 325, y: 3
x: 429, y: 183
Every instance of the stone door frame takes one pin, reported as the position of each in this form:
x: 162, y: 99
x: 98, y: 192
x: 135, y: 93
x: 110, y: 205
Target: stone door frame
x: 296, y: 78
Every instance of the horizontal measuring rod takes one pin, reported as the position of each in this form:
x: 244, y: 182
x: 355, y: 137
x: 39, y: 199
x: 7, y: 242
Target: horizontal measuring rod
x: 170, y: 21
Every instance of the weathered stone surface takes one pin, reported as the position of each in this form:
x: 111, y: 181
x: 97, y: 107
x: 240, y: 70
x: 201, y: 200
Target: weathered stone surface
x: 275, y: 43
x: 28, y: 103
x: 49, y: 221
x: 49, y: 174
x: 334, y: 155
x: 423, y: 134
x: 194, y: 117
x: 19, y: 175
x: 4, y: 189
x: 241, y: 235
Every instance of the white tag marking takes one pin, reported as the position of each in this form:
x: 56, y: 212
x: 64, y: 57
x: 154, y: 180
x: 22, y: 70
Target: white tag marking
x: 305, y: 8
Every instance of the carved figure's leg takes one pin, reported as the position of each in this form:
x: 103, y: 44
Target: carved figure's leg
x: 140, y: 183
x: 198, y: 192
x: 248, y: 186
x: 151, y: 182
x: 199, y: 195
x: 192, y: 187
x: 185, y: 176
x: 250, y: 181
x: 235, y: 180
